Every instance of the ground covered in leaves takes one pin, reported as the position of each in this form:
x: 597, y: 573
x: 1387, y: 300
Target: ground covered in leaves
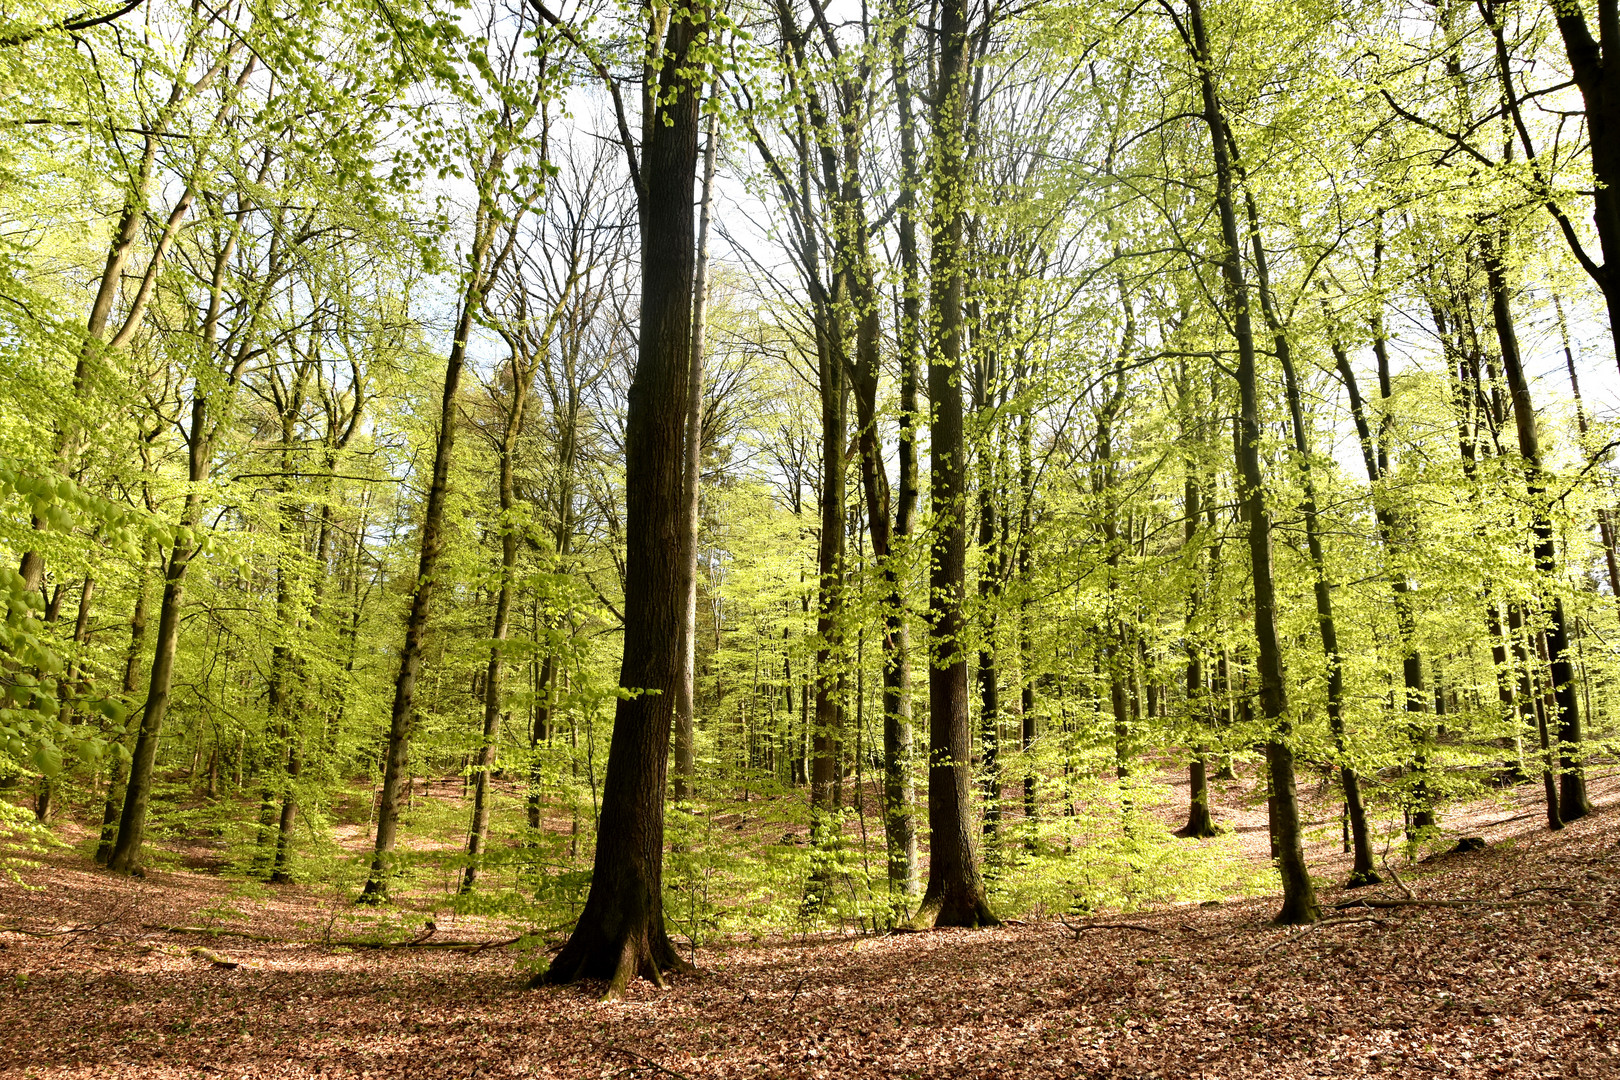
x: 1518, y: 976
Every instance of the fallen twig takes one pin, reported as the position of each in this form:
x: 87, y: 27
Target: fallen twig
x: 420, y: 942
x: 649, y: 1062
x: 64, y: 932
x: 1371, y: 903
x: 1078, y: 929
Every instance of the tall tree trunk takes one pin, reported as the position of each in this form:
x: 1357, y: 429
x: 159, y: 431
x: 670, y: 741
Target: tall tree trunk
x: 402, y: 718
x: 899, y: 793
x: 118, y: 777
x: 955, y: 893
x: 620, y: 933
x: 692, y: 458
x: 992, y: 561
x: 1572, y: 800
x: 1595, y: 65
x: 1200, y: 823
x: 125, y: 857
x: 1299, y: 895
x: 495, y: 668
x: 1605, y: 513
x: 1361, y: 872
x: 1375, y: 459
x: 132, y: 821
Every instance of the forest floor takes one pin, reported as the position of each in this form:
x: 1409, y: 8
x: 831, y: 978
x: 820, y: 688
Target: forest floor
x: 1519, y: 977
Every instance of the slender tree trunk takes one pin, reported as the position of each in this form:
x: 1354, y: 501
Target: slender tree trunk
x: 132, y: 821
x: 118, y: 777
x: 125, y: 857
x: 992, y: 560
x: 1572, y: 800
x: 899, y: 794
x: 1605, y: 513
x: 402, y: 717
x: 1375, y: 458
x: 495, y: 669
x: 1299, y: 895
x: 1361, y: 872
x: 692, y: 457
x: 1200, y: 823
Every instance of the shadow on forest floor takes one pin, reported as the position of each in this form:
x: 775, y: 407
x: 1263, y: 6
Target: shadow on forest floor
x: 1519, y: 981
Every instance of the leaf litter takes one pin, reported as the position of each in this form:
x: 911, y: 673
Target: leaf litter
x: 102, y: 976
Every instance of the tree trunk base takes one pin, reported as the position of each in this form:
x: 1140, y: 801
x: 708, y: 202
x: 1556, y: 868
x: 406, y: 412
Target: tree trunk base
x: 970, y: 911
x: 1298, y: 912
x: 1200, y: 826
x: 1360, y: 879
x: 1572, y: 801
x: 643, y: 951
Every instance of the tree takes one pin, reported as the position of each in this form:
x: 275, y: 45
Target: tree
x: 620, y: 934
x: 954, y: 894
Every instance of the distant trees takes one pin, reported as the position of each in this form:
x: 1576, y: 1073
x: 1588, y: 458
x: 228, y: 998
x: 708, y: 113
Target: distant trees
x: 380, y: 471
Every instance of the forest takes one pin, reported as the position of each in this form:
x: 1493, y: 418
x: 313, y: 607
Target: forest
x: 718, y: 500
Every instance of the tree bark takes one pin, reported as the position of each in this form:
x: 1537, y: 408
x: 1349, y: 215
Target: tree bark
x: 620, y: 933
x: 1361, y: 872
x: 692, y: 458
x: 955, y: 894
x: 118, y: 778
x: 522, y: 373
x: 1573, y: 803
x: 1299, y: 895
x: 125, y: 856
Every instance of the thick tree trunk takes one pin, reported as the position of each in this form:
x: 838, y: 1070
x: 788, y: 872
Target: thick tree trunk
x: 955, y: 893
x: 1595, y: 65
x: 620, y: 933
x: 1299, y: 895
